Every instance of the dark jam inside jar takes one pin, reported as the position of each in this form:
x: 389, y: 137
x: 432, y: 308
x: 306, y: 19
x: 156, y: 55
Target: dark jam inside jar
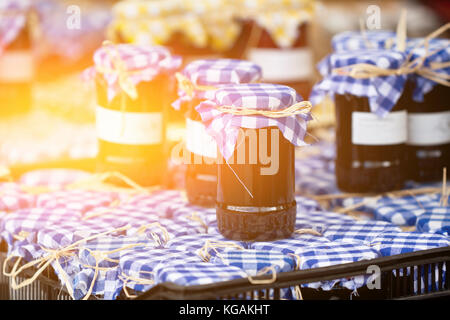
x: 292, y: 66
x: 256, y: 205
x: 201, y: 169
x: 428, y: 149
x: 132, y: 139
x: 370, y: 151
x: 16, y: 75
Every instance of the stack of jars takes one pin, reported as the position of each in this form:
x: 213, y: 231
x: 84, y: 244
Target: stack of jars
x: 391, y: 127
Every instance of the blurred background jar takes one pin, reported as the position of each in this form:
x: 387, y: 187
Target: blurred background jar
x: 16, y: 56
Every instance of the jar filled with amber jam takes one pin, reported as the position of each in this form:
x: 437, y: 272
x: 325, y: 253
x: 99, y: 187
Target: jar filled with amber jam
x: 132, y: 104
x: 16, y: 58
x: 428, y: 145
x: 256, y: 174
x: 192, y: 29
x: 276, y: 38
x: 197, y: 83
x: 371, y: 119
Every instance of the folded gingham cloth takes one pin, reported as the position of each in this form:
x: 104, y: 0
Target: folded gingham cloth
x: 254, y: 261
x: 404, y: 211
x: 435, y: 220
x: 193, y: 243
x: 305, y: 204
x: 335, y: 253
x: 137, y: 267
x: 163, y: 202
x: 289, y: 245
x: 52, y: 178
x: 441, y: 54
x: 216, y: 73
x: 140, y: 63
x: 14, y: 20
x: 320, y: 220
x: 77, y: 200
x: 382, y: 92
x: 358, y: 231
x: 356, y: 40
x: 28, y: 221
x: 13, y: 197
x: 133, y: 215
x: 197, y: 273
x: 104, y: 254
x: 389, y: 244
x: 172, y: 230
x: 224, y: 127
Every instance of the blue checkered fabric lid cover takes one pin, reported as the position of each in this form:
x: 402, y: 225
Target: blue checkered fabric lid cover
x: 197, y: 273
x: 389, y: 244
x: 404, y: 211
x: 140, y: 264
x: 355, y: 40
x: 359, y: 231
x: 254, y: 261
x: 440, y: 49
x: 435, y: 220
x: 335, y: 253
x: 382, y: 92
x: 216, y: 73
x: 224, y: 127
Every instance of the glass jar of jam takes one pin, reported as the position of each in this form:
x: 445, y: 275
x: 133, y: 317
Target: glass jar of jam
x: 371, y: 119
x: 201, y: 149
x: 369, y: 150
x: 16, y: 65
x: 256, y: 174
x: 278, y: 41
x: 131, y: 130
x: 428, y: 146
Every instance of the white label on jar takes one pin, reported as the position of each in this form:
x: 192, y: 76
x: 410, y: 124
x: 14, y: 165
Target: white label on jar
x: 133, y: 128
x: 370, y: 130
x: 198, y: 141
x: 283, y: 65
x: 429, y: 129
x: 16, y: 66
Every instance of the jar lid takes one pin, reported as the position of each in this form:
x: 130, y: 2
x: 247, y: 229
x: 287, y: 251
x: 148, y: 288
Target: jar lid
x: 224, y: 126
x: 214, y: 73
x: 440, y: 53
x: 126, y: 65
x: 382, y: 91
x: 355, y: 40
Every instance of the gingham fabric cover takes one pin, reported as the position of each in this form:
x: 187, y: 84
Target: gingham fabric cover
x: 382, y: 92
x: 77, y: 200
x: 356, y: 40
x: 216, y: 73
x: 320, y: 220
x: 358, y: 231
x: 13, y: 197
x: 405, y: 211
x: 334, y: 253
x: 254, y: 261
x: 435, y: 220
x: 389, y: 244
x: 196, y: 274
x: 33, y: 220
x: 140, y: 264
x: 13, y: 22
x: 163, y: 202
x: 441, y: 54
x: 52, y: 178
x: 143, y: 63
x: 289, y: 245
x: 224, y: 128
